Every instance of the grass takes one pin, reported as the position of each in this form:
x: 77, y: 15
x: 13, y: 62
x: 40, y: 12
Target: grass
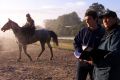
x: 65, y: 44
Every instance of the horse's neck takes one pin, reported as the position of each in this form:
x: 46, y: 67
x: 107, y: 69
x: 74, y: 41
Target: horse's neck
x: 16, y: 30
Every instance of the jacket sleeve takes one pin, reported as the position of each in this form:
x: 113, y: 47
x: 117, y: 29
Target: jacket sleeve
x: 32, y: 23
x: 114, y: 55
x: 78, y: 42
x: 115, y: 43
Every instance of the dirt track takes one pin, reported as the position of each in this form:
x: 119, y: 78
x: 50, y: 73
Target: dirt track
x: 62, y: 67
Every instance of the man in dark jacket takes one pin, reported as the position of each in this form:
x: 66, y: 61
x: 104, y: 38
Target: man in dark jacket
x: 89, y: 36
x: 108, y: 67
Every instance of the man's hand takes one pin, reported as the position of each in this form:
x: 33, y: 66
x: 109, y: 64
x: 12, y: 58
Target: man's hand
x: 77, y: 54
x: 90, y: 62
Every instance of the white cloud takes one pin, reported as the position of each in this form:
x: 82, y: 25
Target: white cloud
x: 76, y: 4
x: 64, y: 6
x: 80, y: 3
x: 48, y: 7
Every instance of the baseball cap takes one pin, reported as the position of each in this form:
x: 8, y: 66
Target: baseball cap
x: 109, y: 13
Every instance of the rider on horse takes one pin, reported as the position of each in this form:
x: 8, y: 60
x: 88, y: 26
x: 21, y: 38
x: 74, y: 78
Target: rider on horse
x: 29, y: 28
x: 30, y: 21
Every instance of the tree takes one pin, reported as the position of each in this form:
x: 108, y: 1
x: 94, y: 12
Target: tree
x: 64, y: 25
x: 99, y: 8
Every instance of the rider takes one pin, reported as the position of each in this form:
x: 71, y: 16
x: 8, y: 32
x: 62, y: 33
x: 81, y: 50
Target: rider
x: 29, y: 27
x: 30, y: 21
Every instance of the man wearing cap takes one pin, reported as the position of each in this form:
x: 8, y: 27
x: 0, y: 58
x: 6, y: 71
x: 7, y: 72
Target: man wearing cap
x: 89, y: 36
x: 108, y: 67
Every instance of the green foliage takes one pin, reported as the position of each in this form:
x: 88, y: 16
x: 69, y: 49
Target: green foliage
x: 69, y: 19
x: 66, y: 44
x: 65, y: 25
x: 99, y: 8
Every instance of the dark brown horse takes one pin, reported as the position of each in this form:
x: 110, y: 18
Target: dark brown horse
x: 42, y: 35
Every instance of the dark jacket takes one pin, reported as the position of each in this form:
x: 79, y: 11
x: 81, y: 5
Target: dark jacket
x: 30, y: 23
x: 111, y: 42
x: 109, y: 66
x: 88, y: 37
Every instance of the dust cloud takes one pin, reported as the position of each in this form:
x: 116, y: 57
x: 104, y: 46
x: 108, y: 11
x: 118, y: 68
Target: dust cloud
x: 7, y: 41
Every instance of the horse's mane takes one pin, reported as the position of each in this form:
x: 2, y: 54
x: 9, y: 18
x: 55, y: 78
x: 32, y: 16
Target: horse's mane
x: 15, y: 23
x: 25, y: 26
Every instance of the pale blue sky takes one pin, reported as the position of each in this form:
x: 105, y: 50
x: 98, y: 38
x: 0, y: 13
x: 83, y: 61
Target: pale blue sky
x: 48, y: 9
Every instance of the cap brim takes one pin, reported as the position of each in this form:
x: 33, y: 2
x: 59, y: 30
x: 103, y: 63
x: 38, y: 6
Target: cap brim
x: 101, y: 16
x: 104, y: 15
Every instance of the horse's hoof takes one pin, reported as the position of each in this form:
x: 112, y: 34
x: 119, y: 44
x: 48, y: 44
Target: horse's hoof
x: 18, y: 60
x: 51, y: 58
x: 37, y: 59
x: 31, y: 60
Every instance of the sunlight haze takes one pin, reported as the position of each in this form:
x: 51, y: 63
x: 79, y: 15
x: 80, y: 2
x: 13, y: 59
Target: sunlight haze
x: 47, y: 9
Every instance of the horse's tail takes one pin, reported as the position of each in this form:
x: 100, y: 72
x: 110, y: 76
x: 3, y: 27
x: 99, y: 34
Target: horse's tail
x: 54, y: 36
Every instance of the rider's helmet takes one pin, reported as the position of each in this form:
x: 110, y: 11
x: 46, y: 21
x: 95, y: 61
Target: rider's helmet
x: 28, y: 15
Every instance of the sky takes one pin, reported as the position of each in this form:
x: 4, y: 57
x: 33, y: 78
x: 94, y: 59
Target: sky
x: 47, y: 9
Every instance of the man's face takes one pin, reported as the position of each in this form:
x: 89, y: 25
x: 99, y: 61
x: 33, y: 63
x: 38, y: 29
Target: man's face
x: 108, y: 22
x: 90, y: 21
x: 28, y: 19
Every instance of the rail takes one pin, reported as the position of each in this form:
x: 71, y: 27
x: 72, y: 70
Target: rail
x: 66, y: 38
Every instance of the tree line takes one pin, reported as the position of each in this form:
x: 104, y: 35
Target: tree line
x: 69, y: 24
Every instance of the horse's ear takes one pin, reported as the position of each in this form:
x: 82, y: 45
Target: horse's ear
x: 9, y: 19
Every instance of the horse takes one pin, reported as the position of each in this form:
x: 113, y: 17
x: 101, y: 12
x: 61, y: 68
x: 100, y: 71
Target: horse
x: 42, y: 35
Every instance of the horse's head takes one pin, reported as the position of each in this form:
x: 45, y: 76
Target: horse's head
x: 10, y: 24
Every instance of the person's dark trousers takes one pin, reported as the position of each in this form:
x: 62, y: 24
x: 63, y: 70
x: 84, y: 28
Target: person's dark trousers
x: 83, y: 68
x: 115, y: 73
x: 101, y: 73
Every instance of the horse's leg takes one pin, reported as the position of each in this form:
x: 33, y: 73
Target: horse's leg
x: 20, y: 50
x: 43, y: 48
x: 25, y: 51
x: 49, y: 45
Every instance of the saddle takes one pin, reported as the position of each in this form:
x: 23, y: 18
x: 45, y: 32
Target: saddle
x: 27, y: 31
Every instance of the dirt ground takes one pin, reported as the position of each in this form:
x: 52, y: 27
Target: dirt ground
x: 62, y: 67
